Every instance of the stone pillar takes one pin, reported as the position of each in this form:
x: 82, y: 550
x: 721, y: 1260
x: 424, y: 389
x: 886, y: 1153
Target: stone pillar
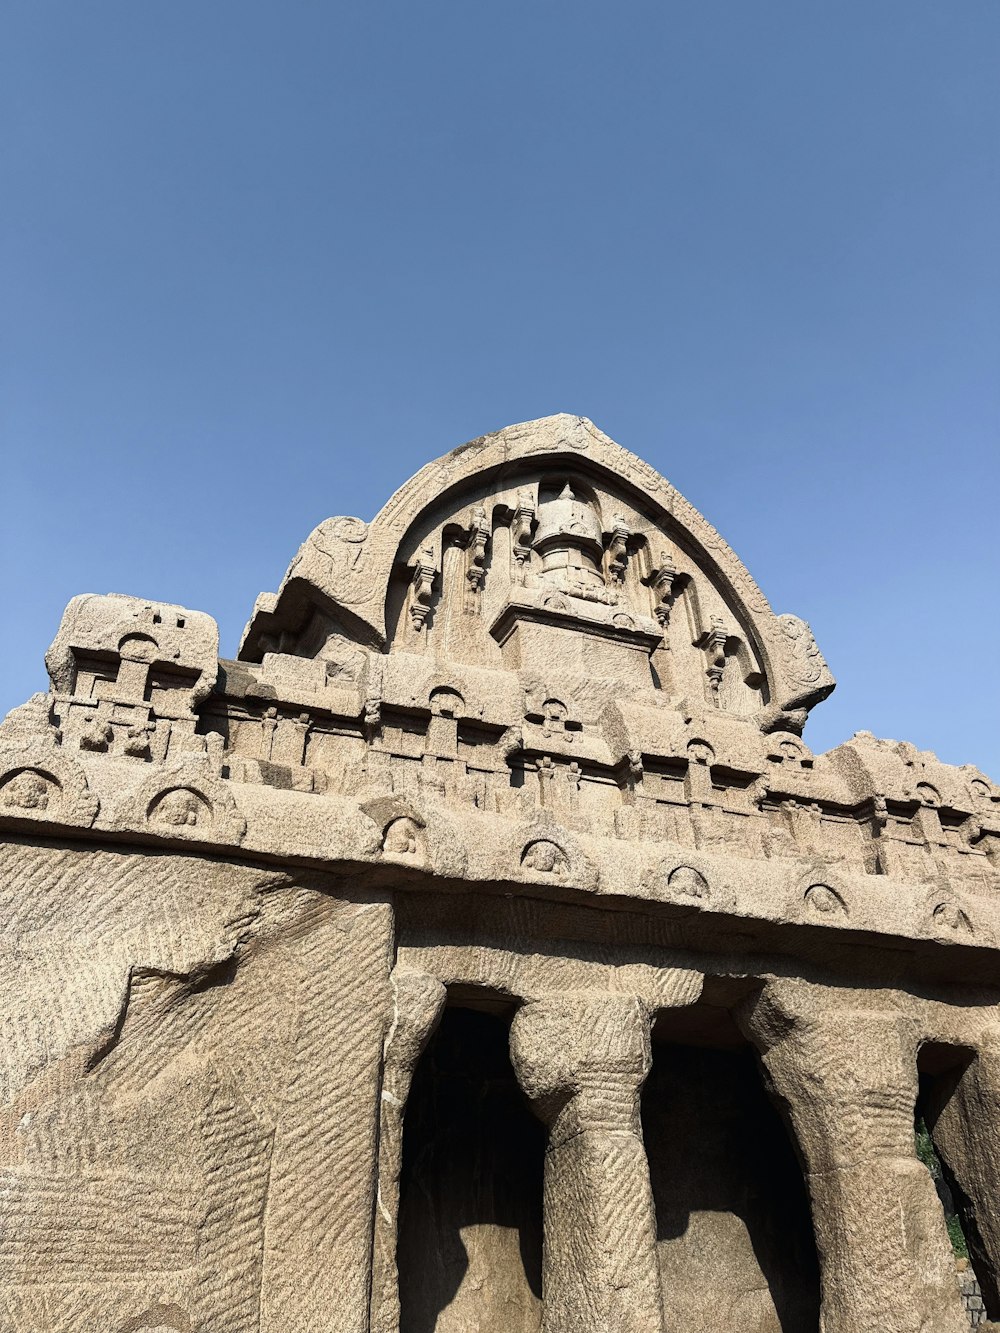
x: 418, y: 1002
x: 847, y: 1080
x: 964, y: 1119
x: 582, y: 1060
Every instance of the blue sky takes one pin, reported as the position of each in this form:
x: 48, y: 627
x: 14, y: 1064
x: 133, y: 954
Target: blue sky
x: 261, y: 261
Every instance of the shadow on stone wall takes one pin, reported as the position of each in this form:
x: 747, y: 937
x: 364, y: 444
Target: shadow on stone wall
x: 734, y: 1232
x: 470, y: 1221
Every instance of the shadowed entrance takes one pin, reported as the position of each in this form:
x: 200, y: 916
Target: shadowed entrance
x: 734, y: 1233
x: 470, y: 1217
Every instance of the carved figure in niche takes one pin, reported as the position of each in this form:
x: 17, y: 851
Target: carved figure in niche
x: 401, y: 838
x: 950, y: 916
x: 27, y: 790
x: 97, y: 734
x: 137, y: 742
x: 928, y: 795
x: 546, y: 858
x: 570, y: 541
x: 554, y: 715
x: 821, y: 898
x: 700, y: 752
x: 784, y: 748
x: 686, y: 882
x: 179, y: 808
x: 445, y: 702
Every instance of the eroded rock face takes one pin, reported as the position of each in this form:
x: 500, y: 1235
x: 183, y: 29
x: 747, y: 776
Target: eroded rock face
x: 329, y: 974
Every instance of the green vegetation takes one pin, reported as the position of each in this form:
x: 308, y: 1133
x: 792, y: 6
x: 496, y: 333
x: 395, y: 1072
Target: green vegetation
x: 927, y: 1154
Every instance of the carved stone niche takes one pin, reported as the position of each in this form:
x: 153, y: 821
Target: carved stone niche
x: 680, y: 884
x: 403, y: 840
x: 187, y: 802
x: 544, y: 851
x: 37, y: 782
x: 542, y: 856
x: 949, y: 919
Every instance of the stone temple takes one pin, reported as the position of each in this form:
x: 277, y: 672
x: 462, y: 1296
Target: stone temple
x: 484, y: 951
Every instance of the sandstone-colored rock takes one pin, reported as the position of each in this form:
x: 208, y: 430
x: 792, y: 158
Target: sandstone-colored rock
x: 333, y: 977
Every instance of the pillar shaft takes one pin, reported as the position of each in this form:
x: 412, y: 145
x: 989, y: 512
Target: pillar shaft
x: 847, y: 1080
x: 582, y: 1060
x: 418, y: 1002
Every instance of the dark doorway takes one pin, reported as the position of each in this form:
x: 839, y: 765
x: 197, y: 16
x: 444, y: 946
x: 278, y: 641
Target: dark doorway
x: 941, y: 1127
x: 734, y: 1231
x: 470, y: 1213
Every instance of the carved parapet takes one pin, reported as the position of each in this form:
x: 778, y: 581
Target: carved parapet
x: 342, y: 572
x: 118, y: 661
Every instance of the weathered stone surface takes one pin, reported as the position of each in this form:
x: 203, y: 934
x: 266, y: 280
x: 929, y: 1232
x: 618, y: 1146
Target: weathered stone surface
x: 328, y: 975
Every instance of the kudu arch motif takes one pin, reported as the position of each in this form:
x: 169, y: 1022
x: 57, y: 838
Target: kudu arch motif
x: 522, y: 756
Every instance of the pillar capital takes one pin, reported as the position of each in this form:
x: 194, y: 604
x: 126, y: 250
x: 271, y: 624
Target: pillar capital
x: 847, y: 1076
x: 582, y: 1058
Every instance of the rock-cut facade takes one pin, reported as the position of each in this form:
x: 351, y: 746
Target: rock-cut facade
x: 484, y: 950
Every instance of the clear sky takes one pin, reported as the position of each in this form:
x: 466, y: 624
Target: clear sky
x: 263, y: 260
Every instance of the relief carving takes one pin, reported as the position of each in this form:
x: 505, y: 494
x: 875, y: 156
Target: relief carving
x: 824, y: 900
x: 478, y: 537
x: 424, y: 575
x: 686, y: 882
x: 949, y: 917
x: 185, y: 800
x: 402, y: 838
x: 27, y: 790
x: 40, y: 781
x: 546, y: 858
x: 618, y: 549
x: 805, y: 666
x: 663, y: 580
x: 521, y: 528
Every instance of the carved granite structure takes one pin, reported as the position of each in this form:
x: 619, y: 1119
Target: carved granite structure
x: 484, y: 950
